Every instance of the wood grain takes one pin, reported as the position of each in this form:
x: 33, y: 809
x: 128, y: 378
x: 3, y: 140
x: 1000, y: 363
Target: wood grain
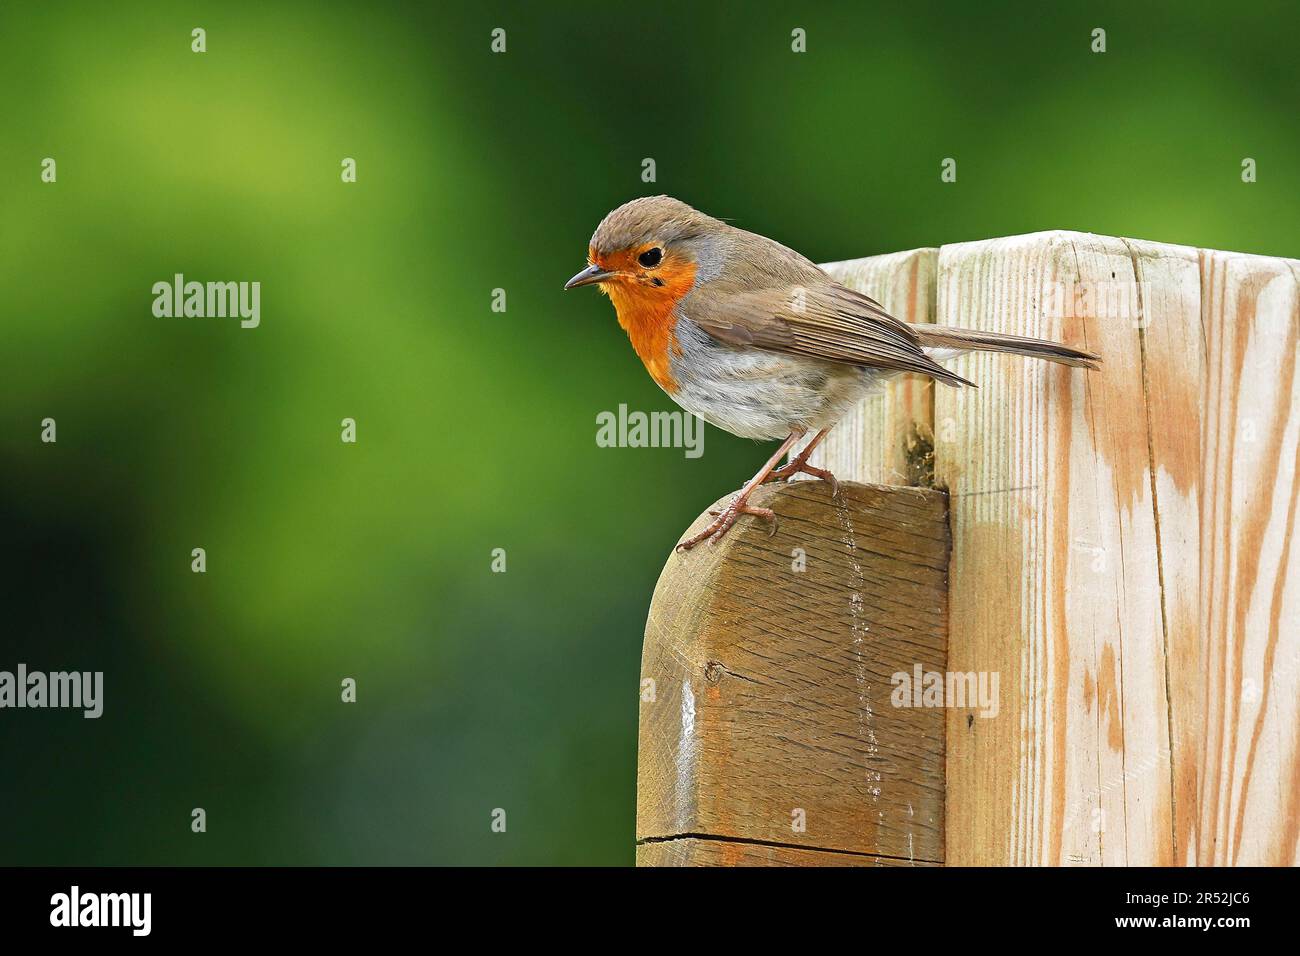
x: 771, y: 684
x: 1249, y: 785
x: 1168, y: 301
x: 691, y: 851
x: 877, y: 442
x: 1056, y: 574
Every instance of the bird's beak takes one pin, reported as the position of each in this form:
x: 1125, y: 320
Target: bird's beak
x: 587, y: 276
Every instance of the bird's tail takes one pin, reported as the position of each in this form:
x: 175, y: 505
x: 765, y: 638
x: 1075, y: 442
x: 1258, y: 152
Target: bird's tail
x: 960, y: 340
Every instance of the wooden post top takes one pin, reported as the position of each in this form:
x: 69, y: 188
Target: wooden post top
x: 767, y: 733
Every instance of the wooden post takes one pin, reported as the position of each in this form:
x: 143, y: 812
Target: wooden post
x: 767, y: 731
x: 1122, y: 558
x: 1247, y: 808
x: 1057, y: 577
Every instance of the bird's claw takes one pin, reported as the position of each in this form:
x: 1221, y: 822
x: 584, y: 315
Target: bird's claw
x: 799, y: 466
x: 723, y: 521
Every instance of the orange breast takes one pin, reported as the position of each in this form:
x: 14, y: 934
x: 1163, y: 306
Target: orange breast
x: 645, y: 312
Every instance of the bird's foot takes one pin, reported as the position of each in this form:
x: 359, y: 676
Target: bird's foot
x: 721, y: 524
x: 800, y: 466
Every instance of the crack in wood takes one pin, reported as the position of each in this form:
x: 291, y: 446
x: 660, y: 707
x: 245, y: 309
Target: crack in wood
x: 720, y: 838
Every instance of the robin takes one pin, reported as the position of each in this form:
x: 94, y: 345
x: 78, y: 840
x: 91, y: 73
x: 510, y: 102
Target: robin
x: 757, y: 340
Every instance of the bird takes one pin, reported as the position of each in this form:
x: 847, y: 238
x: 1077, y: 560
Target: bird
x: 758, y: 340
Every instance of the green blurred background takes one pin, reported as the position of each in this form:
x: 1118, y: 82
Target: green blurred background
x: 476, y: 429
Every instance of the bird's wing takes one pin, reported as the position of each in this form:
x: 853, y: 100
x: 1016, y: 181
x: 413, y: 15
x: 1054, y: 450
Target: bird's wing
x: 822, y: 319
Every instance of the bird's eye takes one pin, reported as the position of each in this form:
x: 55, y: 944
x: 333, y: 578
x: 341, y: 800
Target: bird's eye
x: 650, y: 258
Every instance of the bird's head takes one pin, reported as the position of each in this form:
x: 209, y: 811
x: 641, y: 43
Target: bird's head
x: 650, y: 252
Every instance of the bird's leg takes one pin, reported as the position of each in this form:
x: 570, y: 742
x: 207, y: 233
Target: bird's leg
x: 739, y: 505
x: 799, y: 464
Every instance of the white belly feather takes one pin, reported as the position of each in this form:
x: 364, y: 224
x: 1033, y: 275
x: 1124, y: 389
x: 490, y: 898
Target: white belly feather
x: 755, y: 393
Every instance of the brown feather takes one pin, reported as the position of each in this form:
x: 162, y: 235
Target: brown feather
x: 934, y: 336
x: 812, y: 315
